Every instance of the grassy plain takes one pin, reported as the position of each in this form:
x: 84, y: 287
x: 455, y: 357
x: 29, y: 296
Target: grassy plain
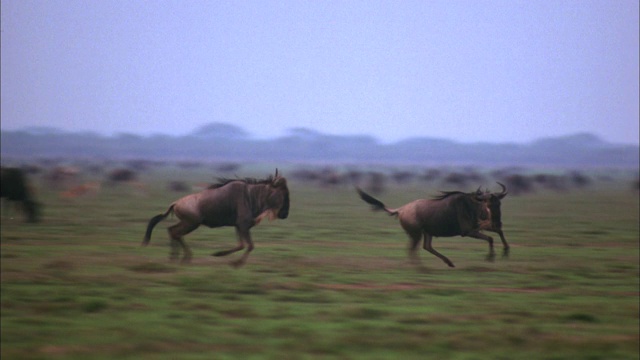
x: 331, y: 282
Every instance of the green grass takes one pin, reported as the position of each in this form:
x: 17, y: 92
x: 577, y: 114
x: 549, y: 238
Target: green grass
x: 332, y: 281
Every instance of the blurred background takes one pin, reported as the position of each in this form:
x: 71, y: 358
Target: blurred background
x: 379, y: 72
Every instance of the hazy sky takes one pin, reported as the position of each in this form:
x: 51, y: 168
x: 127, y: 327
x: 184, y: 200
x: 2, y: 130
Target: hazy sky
x: 467, y: 70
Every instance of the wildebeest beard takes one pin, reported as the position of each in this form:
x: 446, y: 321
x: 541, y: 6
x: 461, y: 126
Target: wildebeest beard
x: 284, y: 210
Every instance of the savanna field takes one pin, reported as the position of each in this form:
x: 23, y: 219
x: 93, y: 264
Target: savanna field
x: 333, y: 281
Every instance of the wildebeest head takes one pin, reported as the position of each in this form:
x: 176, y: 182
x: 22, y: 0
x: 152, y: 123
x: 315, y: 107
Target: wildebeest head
x: 279, y: 197
x: 482, y: 199
x: 493, y: 202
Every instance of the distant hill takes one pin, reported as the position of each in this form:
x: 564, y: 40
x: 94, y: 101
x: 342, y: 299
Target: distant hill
x: 225, y: 142
x: 220, y: 130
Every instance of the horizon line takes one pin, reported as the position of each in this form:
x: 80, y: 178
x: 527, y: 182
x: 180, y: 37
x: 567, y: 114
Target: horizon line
x: 53, y: 130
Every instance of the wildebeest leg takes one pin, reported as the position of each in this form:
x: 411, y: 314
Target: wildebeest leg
x: 31, y: 210
x: 413, y: 247
x: 175, y: 250
x: 176, y: 232
x: 489, y: 239
x: 231, y: 251
x: 427, y: 246
x: 245, y: 237
x: 505, y: 246
x: 5, y: 207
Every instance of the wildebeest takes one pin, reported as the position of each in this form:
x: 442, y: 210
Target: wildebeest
x: 92, y: 187
x: 241, y: 203
x: 452, y: 213
x: 14, y: 187
x: 494, y: 222
x: 519, y: 184
x: 121, y: 175
x: 63, y: 176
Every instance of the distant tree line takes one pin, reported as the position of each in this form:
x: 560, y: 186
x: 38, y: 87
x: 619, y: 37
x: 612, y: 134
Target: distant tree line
x: 224, y: 142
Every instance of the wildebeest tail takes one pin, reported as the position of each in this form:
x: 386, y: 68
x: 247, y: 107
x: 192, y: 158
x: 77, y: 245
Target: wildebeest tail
x: 375, y: 203
x: 152, y: 223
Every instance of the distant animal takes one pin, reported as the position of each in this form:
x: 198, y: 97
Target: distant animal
x: 178, y: 186
x: 451, y: 213
x: 241, y: 203
x: 519, y: 184
x: 80, y: 190
x: 494, y: 222
x: 63, y: 176
x: 15, y: 187
x: 121, y: 175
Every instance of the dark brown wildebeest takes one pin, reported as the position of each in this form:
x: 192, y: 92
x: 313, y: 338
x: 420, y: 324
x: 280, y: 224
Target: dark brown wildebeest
x: 494, y: 222
x: 449, y: 214
x: 519, y: 184
x: 14, y: 187
x: 121, y: 175
x: 232, y: 202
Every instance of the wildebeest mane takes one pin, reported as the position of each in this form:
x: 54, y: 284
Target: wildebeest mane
x: 446, y: 194
x: 250, y: 181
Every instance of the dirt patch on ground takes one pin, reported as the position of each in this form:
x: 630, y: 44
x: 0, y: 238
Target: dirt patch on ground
x: 370, y: 286
x: 410, y: 286
x: 522, y: 291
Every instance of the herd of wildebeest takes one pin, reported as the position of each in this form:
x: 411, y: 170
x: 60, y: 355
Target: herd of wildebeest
x: 243, y: 202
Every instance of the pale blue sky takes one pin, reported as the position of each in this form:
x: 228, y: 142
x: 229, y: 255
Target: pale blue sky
x: 466, y: 70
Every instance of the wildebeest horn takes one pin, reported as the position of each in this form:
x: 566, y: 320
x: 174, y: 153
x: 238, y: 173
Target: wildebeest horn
x: 278, y: 180
x: 479, y: 195
x: 504, y: 190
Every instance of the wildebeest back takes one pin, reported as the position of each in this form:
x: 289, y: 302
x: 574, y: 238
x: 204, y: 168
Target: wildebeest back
x: 440, y: 217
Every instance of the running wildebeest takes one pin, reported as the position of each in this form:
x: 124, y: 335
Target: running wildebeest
x: 452, y: 213
x: 494, y: 222
x: 241, y: 203
x: 16, y: 188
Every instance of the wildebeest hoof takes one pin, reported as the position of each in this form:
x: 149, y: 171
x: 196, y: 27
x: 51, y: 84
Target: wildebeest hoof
x: 491, y: 257
x: 185, y: 261
x: 219, y: 253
